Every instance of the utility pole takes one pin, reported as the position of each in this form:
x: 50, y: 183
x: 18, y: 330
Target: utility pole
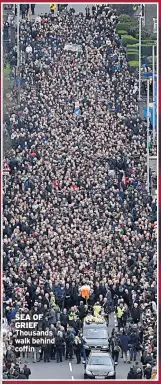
x: 148, y: 135
x: 154, y: 106
x: 140, y: 25
x: 18, y: 50
x: 141, y: 22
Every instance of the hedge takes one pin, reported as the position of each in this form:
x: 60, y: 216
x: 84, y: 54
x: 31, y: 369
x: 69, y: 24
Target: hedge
x: 125, y: 26
x: 133, y: 53
x: 132, y: 46
x: 129, y: 40
x: 120, y: 32
x: 147, y: 41
x: 124, y: 18
x: 143, y: 42
x: 132, y: 50
x: 146, y: 50
x: 134, y: 64
x: 132, y: 56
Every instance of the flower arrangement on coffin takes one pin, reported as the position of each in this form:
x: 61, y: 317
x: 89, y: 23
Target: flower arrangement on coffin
x: 94, y: 319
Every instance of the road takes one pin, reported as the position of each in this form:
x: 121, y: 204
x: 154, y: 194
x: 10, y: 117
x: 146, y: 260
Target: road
x: 70, y: 370
x: 45, y: 8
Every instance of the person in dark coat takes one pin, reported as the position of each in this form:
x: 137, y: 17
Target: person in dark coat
x: 87, y: 12
x: 105, y: 306
x: 91, y: 299
x: 27, y: 9
x: 52, y: 316
x: 81, y: 309
x: 46, y: 349
x: 93, y: 10
x: 69, y: 340
x: 135, y: 313
x: 33, y: 9
x: 131, y: 375
x: 134, y: 341
x: 115, y: 348
x: 67, y: 297
x: 21, y: 376
x: 74, y: 294
x: 97, y: 291
x: 59, y: 347
x: 124, y: 344
x: 64, y: 319
x: 139, y: 373
x: 148, y: 372
x: 23, y: 8
x: 45, y: 324
x: 127, y: 297
x: 147, y: 359
x: 27, y: 371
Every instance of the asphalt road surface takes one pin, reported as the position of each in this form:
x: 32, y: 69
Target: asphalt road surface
x: 45, y: 8
x: 71, y: 370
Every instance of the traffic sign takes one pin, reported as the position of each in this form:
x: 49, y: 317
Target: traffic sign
x: 52, y: 7
x: 6, y: 169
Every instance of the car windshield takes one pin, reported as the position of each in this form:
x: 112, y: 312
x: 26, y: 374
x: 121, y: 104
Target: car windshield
x: 95, y: 333
x: 99, y: 360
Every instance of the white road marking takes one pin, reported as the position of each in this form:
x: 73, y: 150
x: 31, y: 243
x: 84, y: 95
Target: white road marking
x: 70, y: 367
x: 115, y: 319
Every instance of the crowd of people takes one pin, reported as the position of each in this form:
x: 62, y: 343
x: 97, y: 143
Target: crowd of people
x: 76, y: 209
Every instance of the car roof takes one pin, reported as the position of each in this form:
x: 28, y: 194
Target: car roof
x: 95, y: 325
x: 99, y: 353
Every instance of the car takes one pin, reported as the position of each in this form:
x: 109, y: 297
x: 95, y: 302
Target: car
x: 95, y: 336
x: 99, y: 365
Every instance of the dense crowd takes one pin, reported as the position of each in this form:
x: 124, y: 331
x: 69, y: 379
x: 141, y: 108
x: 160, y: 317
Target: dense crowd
x: 76, y: 209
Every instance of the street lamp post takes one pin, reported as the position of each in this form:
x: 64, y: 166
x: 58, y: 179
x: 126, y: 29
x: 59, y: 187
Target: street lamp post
x: 153, y: 93
x: 141, y: 16
x: 18, y: 49
x: 154, y: 104
x: 148, y: 135
x: 140, y: 25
